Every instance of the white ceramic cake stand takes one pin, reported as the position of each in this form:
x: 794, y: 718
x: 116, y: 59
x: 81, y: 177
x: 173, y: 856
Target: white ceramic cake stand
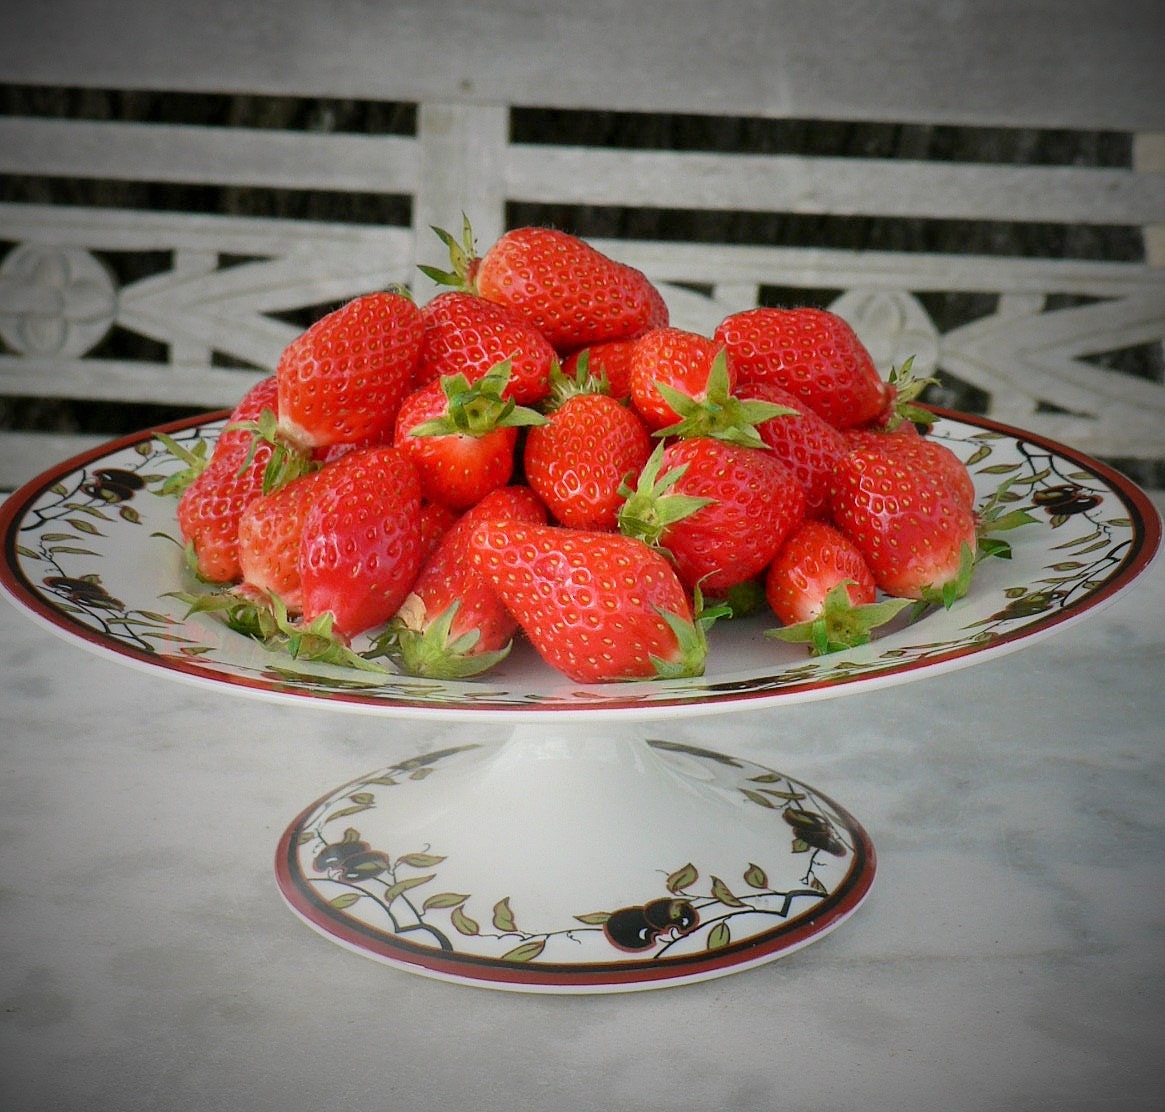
x: 586, y: 851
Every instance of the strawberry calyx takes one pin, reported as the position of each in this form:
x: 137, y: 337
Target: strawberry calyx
x: 563, y: 387
x: 840, y: 625
x: 265, y: 619
x: 691, y: 638
x: 903, y: 390
x: 287, y: 462
x: 463, y: 259
x: 479, y: 408
x: 652, y: 507
x: 426, y: 648
x: 996, y: 515
x: 954, y: 588
x: 720, y: 413
x: 196, y: 459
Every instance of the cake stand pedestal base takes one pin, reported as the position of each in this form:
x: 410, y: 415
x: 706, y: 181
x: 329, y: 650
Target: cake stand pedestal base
x: 570, y: 860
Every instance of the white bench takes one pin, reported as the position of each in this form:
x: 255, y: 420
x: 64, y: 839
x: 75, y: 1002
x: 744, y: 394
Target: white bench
x: 214, y: 291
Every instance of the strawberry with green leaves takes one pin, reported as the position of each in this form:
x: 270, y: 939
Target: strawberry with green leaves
x: 608, y: 362
x: 462, y: 437
x: 342, y: 380
x: 572, y: 293
x: 452, y: 624
x: 916, y: 533
x: 719, y: 510
x: 813, y: 354
x: 666, y: 362
x: 467, y: 335
x: 823, y: 592
x: 579, y: 460
x: 596, y: 606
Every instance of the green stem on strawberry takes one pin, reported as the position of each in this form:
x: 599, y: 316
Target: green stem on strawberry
x: 288, y: 461
x: 480, y: 408
x: 426, y: 649
x: 267, y: 621
x: 905, y: 390
x: 840, y: 625
x: 652, y: 507
x: 691, y: 638
x: 719, y: 413
x: 462, y: 256
x: 196, y: 460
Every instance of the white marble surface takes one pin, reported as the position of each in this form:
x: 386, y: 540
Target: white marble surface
x: 1009, y: 958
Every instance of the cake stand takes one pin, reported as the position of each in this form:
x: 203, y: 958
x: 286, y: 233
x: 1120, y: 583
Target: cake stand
x: 557, y: 839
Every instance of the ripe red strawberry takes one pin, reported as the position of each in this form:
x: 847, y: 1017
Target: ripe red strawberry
x: 211, y: 507
x: 812, y: 353
x: 596, y: 606
x: 823, y: 592
x: 341, y: 381
x: 214, y: 493
x: 720, y: 510
x: 573, y: 294
x: 610, y: 361
x: 927, y: 455
x: 360, y: 547
x: 462, y: 438
x: 580, y: 459
x: 677, y: 360
x: 269, y: 534
x: 916, y: 534
x: 467, y: 335
x: 803, y: 441
x: 452, y: 624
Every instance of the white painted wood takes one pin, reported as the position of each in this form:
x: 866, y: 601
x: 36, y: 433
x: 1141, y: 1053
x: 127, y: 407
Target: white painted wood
x: 1055, y: 63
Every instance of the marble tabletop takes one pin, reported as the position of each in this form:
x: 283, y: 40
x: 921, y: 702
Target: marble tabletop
x: 1010, y: 956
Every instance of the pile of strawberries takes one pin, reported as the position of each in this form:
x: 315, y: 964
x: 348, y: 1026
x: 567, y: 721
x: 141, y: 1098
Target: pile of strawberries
x: 537, y: 451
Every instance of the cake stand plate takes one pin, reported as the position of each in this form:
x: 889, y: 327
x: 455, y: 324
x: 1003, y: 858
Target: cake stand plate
x: 587, y: 851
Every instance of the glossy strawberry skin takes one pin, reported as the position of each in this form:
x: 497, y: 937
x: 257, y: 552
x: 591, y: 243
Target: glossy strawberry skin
x: 360, y: 545
x: 804, y: 441
x: 578, y: 461
x: 931, y: 456
x: 813, y: 560
x: 209, y: 508
x: 342, y: 380
x: 754, y: 503
x: 458, y: 469
x: 589, y: 602
x: 812, y: 353
x: 573, y: 294
x: 466, y: 334
x: 909, y: 525
x: 447, y: 575
x: 610, y: 360
x: 269, y: 534
x: 679, y: 359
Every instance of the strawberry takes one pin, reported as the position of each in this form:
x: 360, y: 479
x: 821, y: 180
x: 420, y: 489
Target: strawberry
x: 926, y: 455
x: 823, y: 592
x: 214, y: 492
x: 915, y: 532
x: 668, y: 360
x: 341, y: 381
x: 465, y: 334
x: 720, y: 510
x: 360, y: 547
x: 596, y: 606
x: 573, y: 294
x: 579, y: 460
x: 268, y: 541
x: 812, y: 353
x: 610, y: 361
x: 803, y: 441
x: 452, y: 623
x: 462, y: 438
